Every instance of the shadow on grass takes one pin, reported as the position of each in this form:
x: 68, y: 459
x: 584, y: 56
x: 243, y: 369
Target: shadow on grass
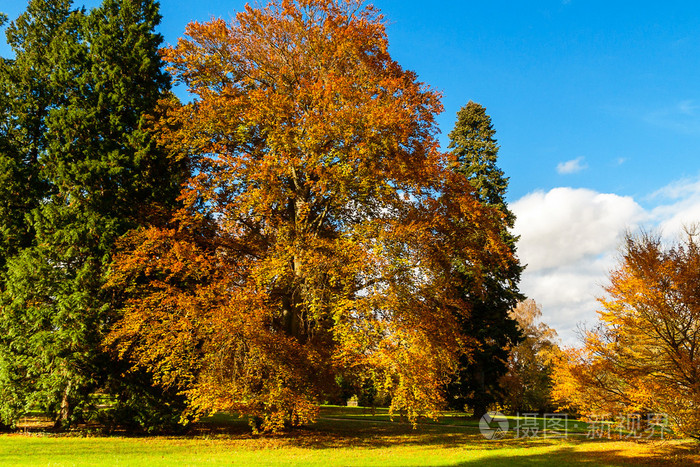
x: 575, y: 450
x: 337, y: 431
x: 503, y: 452
x: 612, y: 453
x: 366, y: 433
x: 332, y: 432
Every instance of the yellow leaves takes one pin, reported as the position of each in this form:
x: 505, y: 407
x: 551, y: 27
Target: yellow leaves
x: 321, y: 227
x: 642, y: 357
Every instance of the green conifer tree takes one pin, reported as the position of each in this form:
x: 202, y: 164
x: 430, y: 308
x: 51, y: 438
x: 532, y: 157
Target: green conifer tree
x: 101, y: 174
x: 476, y: 384
x: 26, y: 97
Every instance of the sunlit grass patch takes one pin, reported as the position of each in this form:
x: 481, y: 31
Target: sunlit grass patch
x: 341, y: 436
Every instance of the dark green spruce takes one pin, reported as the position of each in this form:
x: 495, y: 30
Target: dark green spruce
x: 84, y: 170
x: 476, y: 385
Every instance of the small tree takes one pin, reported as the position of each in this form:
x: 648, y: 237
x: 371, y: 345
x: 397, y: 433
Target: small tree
x: 643, y: 356
x: 527, y: 384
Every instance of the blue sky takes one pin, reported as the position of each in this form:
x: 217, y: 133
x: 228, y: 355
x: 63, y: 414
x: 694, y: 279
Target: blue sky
x: 596, y: 105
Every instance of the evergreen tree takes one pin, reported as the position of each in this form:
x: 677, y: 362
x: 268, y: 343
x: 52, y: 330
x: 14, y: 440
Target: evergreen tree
x: 26, y: 96
x: 96, y: 77
x: 476, y: 384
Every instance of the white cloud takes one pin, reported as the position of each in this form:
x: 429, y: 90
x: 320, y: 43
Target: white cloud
x: 572, y: 166
x: 569, y: 294
x: 678, y: 190
x: 569, y: 240
x: 567, y: 225
x: 678, y: 205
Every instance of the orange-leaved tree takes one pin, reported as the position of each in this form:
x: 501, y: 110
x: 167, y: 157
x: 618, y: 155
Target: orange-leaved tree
x: 527, y: 383
x: 644, y: 355
x: 320, y: 226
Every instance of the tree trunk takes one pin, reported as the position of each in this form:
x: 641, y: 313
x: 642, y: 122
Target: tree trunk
x: 479, y: 404
x: 66, y: 408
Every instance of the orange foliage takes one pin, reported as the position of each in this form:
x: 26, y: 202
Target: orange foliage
x: 320, y: 228
x: 643, y: 357
x: 527, y: 384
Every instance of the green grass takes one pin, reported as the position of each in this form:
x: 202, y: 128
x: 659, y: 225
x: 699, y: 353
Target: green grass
x: 572, y: 427
x: 342, y: 436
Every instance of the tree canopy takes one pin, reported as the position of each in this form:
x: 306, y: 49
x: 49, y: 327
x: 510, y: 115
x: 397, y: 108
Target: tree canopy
x: 488, y: 323
x: 642, y: 357
x: 527, y: 385
x: 321, y: 226
x: 83, y: 169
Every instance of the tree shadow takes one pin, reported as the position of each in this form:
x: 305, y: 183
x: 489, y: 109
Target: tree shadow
x: 334, y: 434
x: 600, y: 453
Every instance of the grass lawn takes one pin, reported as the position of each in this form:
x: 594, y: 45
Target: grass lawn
x: 343, y: 436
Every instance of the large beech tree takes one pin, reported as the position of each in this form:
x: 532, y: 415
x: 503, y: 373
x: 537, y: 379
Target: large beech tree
x: 322, y: 224
x: 643, y: 356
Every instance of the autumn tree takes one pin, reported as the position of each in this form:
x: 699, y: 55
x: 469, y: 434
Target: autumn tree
x: 321, y: 228
x: 82, y: 87
x: 476, y: 382
x: 527, y: 383
x: 642, y: 356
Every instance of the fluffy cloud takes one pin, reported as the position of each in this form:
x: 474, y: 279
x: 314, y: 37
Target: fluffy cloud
x: 566, y: 225
x: 572, y: 166
x: 569, y: 239
x: 678, y: 205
